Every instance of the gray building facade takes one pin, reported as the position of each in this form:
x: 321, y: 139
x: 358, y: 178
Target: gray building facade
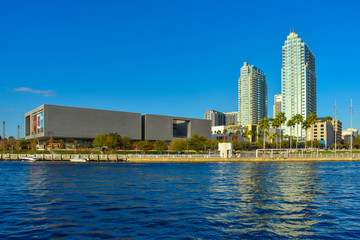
x: 73, y: 123
x: 80, y: 123
x: 159, y: 127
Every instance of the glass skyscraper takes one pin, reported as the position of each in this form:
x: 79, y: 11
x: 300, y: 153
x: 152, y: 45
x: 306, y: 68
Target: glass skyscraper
x: 298, y: 80
x: 252, y: 95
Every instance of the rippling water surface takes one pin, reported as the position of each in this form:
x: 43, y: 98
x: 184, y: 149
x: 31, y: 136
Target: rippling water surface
x: 294, y: 200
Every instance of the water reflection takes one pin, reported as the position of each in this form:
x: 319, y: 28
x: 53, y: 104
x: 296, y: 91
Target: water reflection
x: 267, y: 197
x: 181, y: 200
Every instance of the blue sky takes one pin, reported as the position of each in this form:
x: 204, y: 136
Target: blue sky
x: 169, y: 57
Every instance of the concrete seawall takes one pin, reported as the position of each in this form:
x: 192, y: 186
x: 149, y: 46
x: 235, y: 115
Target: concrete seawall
x: 143, y: 160
x: 164, y: 158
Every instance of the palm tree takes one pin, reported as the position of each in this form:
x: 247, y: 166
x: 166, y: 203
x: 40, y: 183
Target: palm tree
x: 312, y: 119
x: 245, y: 134
x: 276, y: 135
x: 281, y: 119
x: 305, y: 125
x: 250, y: 135
x: 290, y: 123
x: 264, y: 126
x: 276, y: 125
x: 298, y: 118
x: 328, y: 119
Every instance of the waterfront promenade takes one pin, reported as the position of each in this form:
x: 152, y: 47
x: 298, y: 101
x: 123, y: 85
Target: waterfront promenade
x: 182, y: 158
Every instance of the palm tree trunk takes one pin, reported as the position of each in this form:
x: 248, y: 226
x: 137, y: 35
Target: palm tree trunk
x: 312, y: 137
x: 264, y: 141
x: 280, y: 139
x: 290, y: 138
x: 297, y: 136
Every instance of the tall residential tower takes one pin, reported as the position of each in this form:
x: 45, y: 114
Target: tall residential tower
x: 298, y: 80
x: 277, y: 105
x: 252, y: 95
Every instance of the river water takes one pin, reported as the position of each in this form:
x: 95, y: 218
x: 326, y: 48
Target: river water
x: 247, y: 200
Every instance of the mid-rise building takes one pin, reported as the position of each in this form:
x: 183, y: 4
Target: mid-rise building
x: 298, y: 80
x: 322, y: 131
x: 347, y: 133
x: 231, y: 118
x: 337, y: 129
x: 252, y: 99
x: 219, y: 118
x: 277, y: 105
x: 216, y: 118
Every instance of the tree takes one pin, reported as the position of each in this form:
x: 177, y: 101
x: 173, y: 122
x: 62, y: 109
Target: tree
x: 23, y: 143
x: 276, y: 124
x: 281, y: 119
x: 125, y: 142
x: 236, y: 144
x: 264, y: 126
x: 317, y: 144
x: 111, y: 141
x: 160, y: 145
x: 143, y: 145
x: 305, y: 125
x: 4, y: 145
x: 312, y: 119
x: 99, y: 141
x: 298, y: 118
x: 249, y: 134
x: 219, y: 132
x: 114, y: 140
x: 198, y: 143
x: 245, y: 145
x: 225, y: 131
x: 291, y: 124
x: 33, y: 144
x: 272, y: 137
x: 237, y: 132
x: 276, y: 136
x: 214, y: 144
x: 356, y: 142
x: 179, y: 144
x: 12, y: 142
x: 328, y: 119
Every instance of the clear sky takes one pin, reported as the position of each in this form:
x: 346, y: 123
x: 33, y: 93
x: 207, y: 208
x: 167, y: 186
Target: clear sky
x: 166, y: 57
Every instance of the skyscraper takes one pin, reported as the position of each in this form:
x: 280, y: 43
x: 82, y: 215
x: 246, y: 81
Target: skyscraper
x: 277, y: 105
x: 252, y: 95
x: 298, y: 80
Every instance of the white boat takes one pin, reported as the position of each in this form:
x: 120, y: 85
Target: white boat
x: 77, y: 159
x: 32, y: 159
